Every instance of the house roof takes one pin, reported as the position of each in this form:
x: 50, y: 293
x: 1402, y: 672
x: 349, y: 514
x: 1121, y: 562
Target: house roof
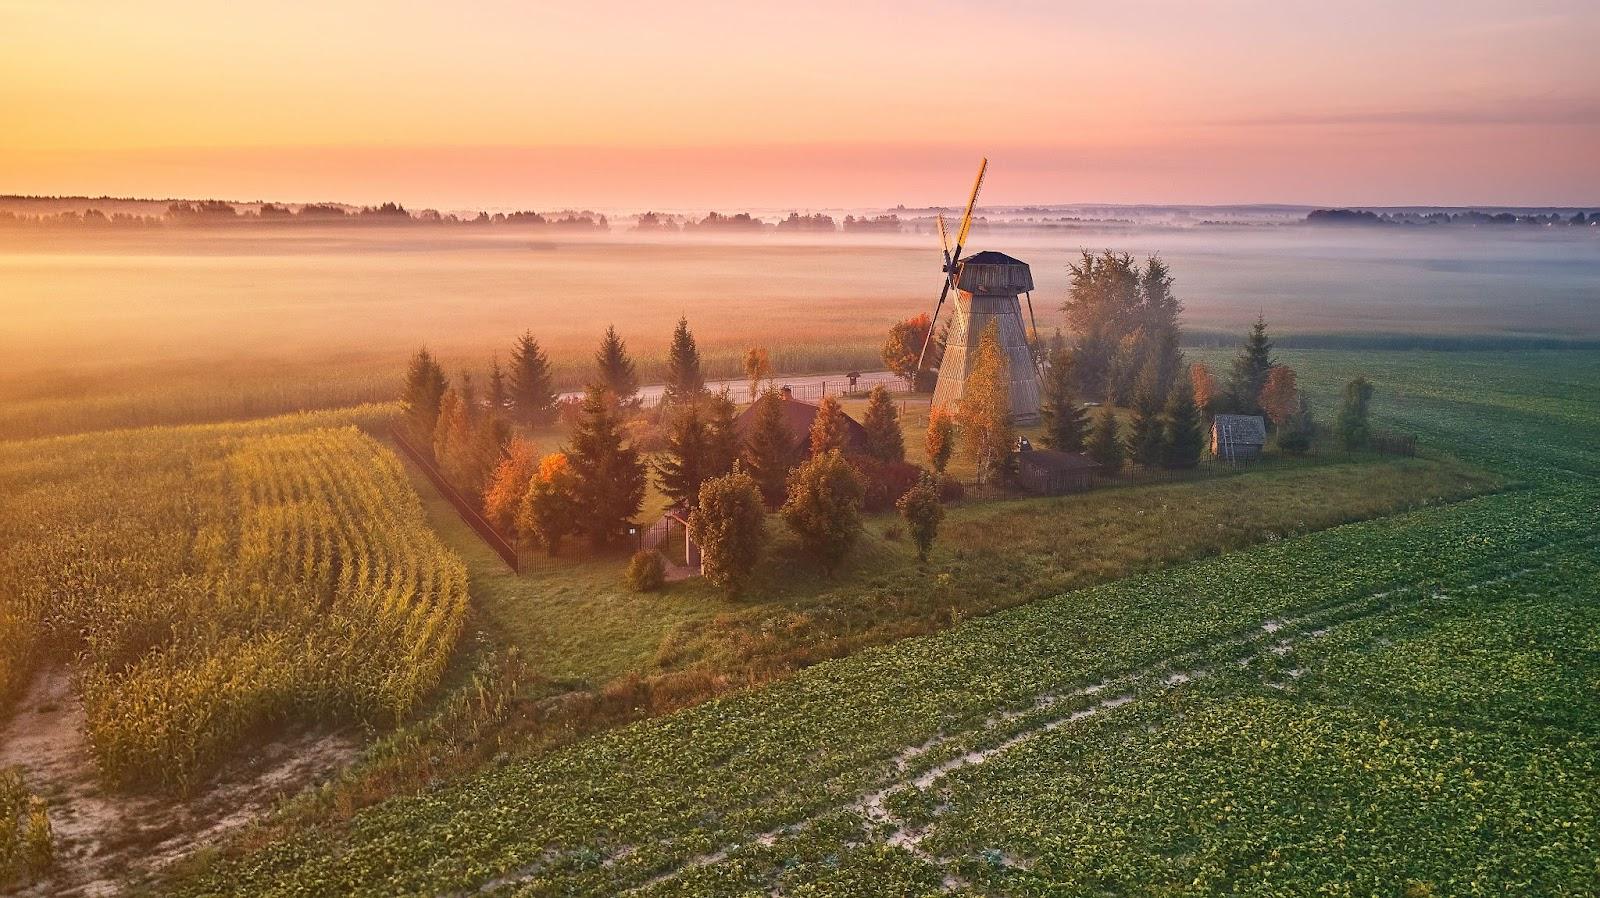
x: 1245, y: 429
x: 1051, y: 460
x: 797, y: 419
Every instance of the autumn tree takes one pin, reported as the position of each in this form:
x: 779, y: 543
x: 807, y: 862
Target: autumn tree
x: 923, y: 513
x: 828, y: 429
x: 509, y: 485
x: 533, y: 399
x: 1182, y: 440
x: 424, y: 391
x: 1065, y: 424
x: 824, y: 507
x: 940, y: 442
x: 903, y: 348
x: 547, y: 513
x: 1251, y: 367
x: 1105, y: 444
x: 885, y: 440
x: 1124, y: 318
x: 1353, y: 425
x: 615, y: 370
x: 985, y: 411
x: 686, y: 463
x: 1204, y: 385
x: 685, y: 382
x: 455, y: 446
x: 768, y: 450
x: 1280, y: 396
x: 729, y: 524
x: 757, y: 368
x: 609, y: 477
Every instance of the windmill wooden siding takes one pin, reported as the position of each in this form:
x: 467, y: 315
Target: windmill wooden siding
x: 988, y: 286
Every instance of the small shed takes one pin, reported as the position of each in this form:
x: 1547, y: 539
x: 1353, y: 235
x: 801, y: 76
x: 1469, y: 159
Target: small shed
x: 1052, y: 473
x: 1237, y: 438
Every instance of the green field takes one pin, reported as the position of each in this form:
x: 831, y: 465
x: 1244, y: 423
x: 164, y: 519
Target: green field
x: 1401, y: 705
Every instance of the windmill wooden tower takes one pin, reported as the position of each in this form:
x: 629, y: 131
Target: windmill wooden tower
x: 988, y: 288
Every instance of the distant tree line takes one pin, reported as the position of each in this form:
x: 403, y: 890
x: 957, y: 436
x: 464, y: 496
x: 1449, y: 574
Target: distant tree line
x: 1469, y: 218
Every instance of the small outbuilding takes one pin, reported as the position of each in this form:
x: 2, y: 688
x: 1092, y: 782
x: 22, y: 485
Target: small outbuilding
x: 1236, y: 438
x: 1052, y: 473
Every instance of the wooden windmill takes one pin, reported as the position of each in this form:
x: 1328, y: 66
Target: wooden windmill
x: 988, y: 288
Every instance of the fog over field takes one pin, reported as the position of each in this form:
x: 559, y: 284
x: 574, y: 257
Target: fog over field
x: 338, y: 309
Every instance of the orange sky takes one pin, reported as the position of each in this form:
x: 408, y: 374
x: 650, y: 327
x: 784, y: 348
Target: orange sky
x: 694, y: 104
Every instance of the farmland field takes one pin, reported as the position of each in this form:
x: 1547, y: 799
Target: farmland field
x: 1397, y: 705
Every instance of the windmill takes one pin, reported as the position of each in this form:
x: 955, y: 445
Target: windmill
x: 988, y: 286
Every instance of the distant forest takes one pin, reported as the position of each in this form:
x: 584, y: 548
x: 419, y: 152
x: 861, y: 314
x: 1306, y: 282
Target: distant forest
x: 1464, y: 218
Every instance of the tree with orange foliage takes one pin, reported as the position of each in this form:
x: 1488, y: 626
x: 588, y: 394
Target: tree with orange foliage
x: 1205, y: 386
x: 941, y: 440
x: 757, y: 368
x: 903, y: 348
x: 546, y: 513
x: 1280, y: 395
x: 509, y: 484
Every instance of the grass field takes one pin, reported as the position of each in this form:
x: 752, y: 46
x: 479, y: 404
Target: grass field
x: 1395, y: 705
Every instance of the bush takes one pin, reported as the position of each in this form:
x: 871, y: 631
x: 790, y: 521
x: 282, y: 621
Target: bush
x: 730, y: 524
x: 950, y: 489
x: 824, y: 507
x: 923, y: 513
x: 884, y: 482
x: 646, y: 573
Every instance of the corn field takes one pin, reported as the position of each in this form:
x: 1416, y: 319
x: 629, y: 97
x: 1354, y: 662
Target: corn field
x: 213, y: 582
x: 27, y: 844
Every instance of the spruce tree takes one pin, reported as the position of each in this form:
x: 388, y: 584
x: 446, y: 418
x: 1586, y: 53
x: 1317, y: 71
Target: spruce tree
x: 684, y: 465
x: 885, y: 440
x: 768, y: 451
x: 1105, y: 445
x: 1146, y: 437
x: 499, y: 398
x: 828, y: 429
x: 722, y: 437
x: 533, y: 400
x: 1353, y: 425
x: 685, y: 382
x: 1183, y: 441
x: 608, y: 476
x: 1065, y: 424
x: 1250, y: 371
x: 615, y: 368
x: 424, y: 390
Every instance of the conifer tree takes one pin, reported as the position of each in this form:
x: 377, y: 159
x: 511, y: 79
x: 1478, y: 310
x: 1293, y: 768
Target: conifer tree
x: 1146, y: 436
x: 768, y: 451
x: 615, y: 369
x: 1065, y: 424
x: 730, y: 526
x: 685, y: 382
x: 1105, y: 445
x: 533, y: 400
x: 1250, y: 371
x: 828, y: 429
x: 885, y: 440
x: 499, y: 397
x: 608, y: 476
x: 940, y: 442
x: 824, y: 507
x: 424, y: 390
x: 684, y: 465
x: 1182, y: 439
x: 1353, y: 425
x: 985, y: 410
x: 722, y: 437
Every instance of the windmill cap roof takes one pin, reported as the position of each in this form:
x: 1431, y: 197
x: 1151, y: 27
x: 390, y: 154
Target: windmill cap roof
x: 990, y: 257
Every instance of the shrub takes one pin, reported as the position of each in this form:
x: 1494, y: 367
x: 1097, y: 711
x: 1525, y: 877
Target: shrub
x: 923, y: 513
x: 883, y: 483
x: 646, y: 573
x: 730, y: 525
x: 824, y: 507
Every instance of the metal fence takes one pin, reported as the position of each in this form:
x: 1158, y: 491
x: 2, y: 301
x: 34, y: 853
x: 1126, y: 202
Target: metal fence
x: 492, y: 537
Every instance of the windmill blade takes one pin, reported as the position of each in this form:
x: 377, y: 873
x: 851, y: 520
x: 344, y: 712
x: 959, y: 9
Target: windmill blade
x: 966, y: 220
x: 922, y: 357
x: 944, y: 239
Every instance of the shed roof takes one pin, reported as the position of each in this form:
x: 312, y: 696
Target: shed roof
x: 1052, y: 460
x: 797, y: 419
x: 1245, y: 429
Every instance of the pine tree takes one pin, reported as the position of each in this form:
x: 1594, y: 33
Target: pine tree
x: 768, y: 451
x: 1182, y: 439
x: 1065, y: 424
x: 730, y: 526
x: 824, y: 507
x: 885, y: 440
x: 608, y: 476
x: 1105, y: 445
x: 424, y: 390
x: 1353, y: 425
x: 533, y: 400
x: 615, y: 368
x: 828, y: 429
x: 1250, y: 370
x: 940, y: 442
x: 499, y: 397
x: 685, y: 382
x: 1145, y: 432
x: 722, y: 437
x: 684, y: 465
x: 985, y: 410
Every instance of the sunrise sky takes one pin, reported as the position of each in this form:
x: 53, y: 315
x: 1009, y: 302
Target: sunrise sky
x: 696, y: 104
